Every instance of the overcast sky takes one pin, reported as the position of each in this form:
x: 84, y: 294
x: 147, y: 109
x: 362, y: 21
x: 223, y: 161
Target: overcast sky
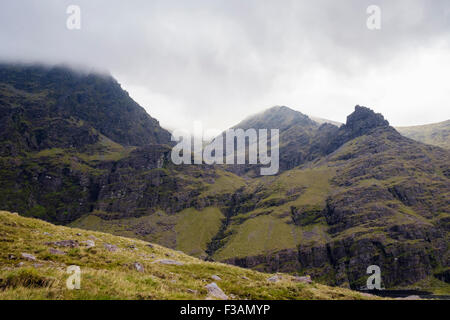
x: 220, y: 61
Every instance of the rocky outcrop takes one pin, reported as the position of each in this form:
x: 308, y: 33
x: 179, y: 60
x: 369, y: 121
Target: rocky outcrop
x: 344, y: 263
x: 361, y: 122
x: 214, y: 292
x: 87, y: 100
x: 74, y: 144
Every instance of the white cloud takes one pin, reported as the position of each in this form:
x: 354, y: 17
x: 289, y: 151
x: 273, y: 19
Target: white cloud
x: 219, y: 61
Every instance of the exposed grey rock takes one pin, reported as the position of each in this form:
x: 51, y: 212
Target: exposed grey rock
x: 64, y: 243
x: 215, y: 277
x: 56, y: 251
x: 192, y: 291
x: 28, y: 256
x: 274, y: 278
x: 168, y: 261
x: 11, y: 257
x: 138, y: 266
x: 305, y: 279
x: 110, y: 247
x: 215, y: 292
x: 38, y: 265
x: 89, y: 243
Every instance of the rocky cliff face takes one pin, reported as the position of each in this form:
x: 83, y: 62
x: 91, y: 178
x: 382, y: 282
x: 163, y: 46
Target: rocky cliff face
x: 56, y: 107
x: 387, y: 204
x: 75, y: 149
x: 301, y: 139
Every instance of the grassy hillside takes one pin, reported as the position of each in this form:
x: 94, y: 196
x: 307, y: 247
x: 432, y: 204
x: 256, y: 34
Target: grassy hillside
x: 75, y: 150
x: 379, y: 199
x: 437, y: 134
x: 269, y: 226
x: 113, y: 273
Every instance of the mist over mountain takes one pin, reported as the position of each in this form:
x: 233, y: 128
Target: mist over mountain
x: 57, y: 107
x: 77, y: 150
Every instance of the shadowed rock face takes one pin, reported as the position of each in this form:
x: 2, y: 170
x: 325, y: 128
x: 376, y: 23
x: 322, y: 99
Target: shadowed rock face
x: 75, y: 146
x: 303, y: 140
x: 363, y: 120
x: 388, y: 206
x: 44, y: 107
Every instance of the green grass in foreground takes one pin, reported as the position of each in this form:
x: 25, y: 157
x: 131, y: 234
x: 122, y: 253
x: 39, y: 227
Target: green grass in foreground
x: 112, y: 275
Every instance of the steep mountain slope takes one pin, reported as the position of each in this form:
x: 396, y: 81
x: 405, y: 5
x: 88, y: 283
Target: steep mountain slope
x: 43, y: 107
x: 75, y: 145
x: 378, y: 198
x: 346, y: 197
x: 436, y: 134
x: 322, y: 121
x: 34, y: 257
x: 301, y: 139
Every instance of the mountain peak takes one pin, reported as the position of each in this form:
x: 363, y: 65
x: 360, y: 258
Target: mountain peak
x: 277, y: 117
x: 58, y: 106
x: 364, y: 119
x: 361, y: 122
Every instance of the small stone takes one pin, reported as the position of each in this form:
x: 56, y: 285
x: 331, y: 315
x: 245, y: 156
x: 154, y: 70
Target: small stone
x: 139, y: 267
x: 192, y: 291
x: 56, y: 251
x: 110, y: 247
x: 89, y: 243
x: 245, y: 278
x: 215, y: 292
x: 20, y: 264
x: 274, y: 278
x: 64, y: 243
x: 92, y: 238
x: 215, y: 277
x: 38, y: 265
x: 28, y: 256
x: 132, y: 247
x: 305, y: 279
x: 79, y: 234
x: 11, y: 257
x: 168, y: 261
x: 150, y: 245
x: 46, y: 234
